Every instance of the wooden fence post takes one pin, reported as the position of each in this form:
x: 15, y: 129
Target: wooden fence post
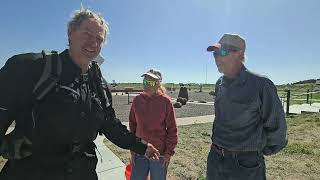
x: 288, y: 102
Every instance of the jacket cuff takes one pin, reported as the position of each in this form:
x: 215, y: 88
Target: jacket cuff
x: 139, y: 147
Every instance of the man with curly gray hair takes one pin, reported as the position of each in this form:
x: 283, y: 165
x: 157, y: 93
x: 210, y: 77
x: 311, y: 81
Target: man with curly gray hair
x: 83, y: 14
x: 59, y: 106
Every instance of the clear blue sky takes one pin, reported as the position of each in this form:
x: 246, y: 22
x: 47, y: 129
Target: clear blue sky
x: 283, y: 36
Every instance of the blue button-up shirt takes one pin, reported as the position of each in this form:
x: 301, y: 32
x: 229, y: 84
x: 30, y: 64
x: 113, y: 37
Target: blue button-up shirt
x: 249, y: 115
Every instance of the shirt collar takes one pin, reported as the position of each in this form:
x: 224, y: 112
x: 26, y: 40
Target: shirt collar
x: 243, y: 75
x: 241, y: 79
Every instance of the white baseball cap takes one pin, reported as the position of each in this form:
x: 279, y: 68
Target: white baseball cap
x: 154, y: 73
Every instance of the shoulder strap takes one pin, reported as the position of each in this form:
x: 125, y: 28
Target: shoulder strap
x: 50, y: 74
x: 102, y: 93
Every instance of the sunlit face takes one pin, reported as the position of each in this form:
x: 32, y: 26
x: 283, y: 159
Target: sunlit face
x: 150, y: 84
x: 86, y: 40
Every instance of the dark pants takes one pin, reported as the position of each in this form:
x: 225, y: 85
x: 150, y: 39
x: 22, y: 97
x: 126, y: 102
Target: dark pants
x: 237, y: 166
x: 77, y: 168
x: 142, y: 166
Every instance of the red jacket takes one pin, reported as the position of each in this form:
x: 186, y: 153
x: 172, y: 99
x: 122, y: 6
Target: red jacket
x: 153, y: 120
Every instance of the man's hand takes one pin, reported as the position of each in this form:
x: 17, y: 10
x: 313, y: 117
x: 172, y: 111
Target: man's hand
x: 151, y: 152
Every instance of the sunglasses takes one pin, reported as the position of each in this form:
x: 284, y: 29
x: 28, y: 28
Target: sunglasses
x: 221, y: 52
x: 149, y: 83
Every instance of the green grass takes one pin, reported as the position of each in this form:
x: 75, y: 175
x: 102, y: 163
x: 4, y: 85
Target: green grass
x: 299, y: 148
x: 299, y: 88
x: 296, y: 91
x: 300, y: 160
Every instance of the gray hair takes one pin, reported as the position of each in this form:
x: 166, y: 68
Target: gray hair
x: 244, y: 59
x: 83, y: 14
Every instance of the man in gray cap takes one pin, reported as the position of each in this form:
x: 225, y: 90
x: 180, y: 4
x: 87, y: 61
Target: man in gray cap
x: 249, y: 118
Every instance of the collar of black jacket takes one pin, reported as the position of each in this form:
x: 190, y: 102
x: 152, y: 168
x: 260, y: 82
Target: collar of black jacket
x: 70, y: 70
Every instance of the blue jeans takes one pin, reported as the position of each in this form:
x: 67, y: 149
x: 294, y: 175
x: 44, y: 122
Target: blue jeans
x: 240, y: 166
x: 142, y: 166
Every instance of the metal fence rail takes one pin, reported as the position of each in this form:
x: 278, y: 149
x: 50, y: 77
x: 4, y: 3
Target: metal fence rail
x: 288, y: 96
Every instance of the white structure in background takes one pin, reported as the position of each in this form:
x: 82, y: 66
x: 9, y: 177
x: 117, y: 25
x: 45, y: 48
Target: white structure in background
x: 99, y: 59
x: 317, y: 85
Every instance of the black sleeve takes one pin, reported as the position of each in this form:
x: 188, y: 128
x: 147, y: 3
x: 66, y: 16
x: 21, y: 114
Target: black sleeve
x: 216, y: 92
x: 274, y: 121
x: 217, y: 86
x: 118, y: 133
x: 10, y: 76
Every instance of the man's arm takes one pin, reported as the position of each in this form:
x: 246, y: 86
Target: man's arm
x: 132, y: 119
x: 216, y: 93
x: 274, y: 122
x: 118, y: 133
x: 10, y: 75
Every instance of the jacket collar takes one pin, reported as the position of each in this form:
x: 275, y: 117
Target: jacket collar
x: 70, y: 70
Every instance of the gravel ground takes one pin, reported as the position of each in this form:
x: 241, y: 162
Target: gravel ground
x: 120, y: 104
x: 194, y: 96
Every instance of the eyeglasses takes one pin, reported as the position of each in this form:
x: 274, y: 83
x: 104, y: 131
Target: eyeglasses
x: 149, y: 83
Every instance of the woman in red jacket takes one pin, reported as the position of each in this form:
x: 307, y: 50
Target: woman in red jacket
x: 152, y: 118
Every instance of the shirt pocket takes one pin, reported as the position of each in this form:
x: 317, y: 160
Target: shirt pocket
x: 239, y: 113
x: 238, y: 109
x: 249, y: 161
x: 245, y: 102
